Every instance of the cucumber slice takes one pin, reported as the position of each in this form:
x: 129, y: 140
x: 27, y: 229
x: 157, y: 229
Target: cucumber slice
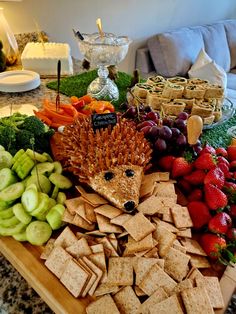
x: 61, y: 198
x: 38, y: 232
x: 60, y: 181
x: 52, y: 202
x: 30, y: 200
x: 6, y: 213
x: 54, y: 216
x: 5, y: 159
x: 21, y: 214
x: 10, y: 222
x: 7, y: 178
x: 12, y: 192
x: 55, y: 192
x: 43, y: 205
x: 35, y: 156
x: 5, y: 204
x: 20, y: 236
x: 32, y: 186
x: 45, y: 168
x: 11, y: 231
x: 49, y: 158
x: 57, y: 167
x: 20, y: 160
x: 23, y: 169
x: 17, y: 155
x: 42, y: 182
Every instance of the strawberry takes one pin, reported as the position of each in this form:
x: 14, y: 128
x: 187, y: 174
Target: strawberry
x: 229, y: 187
x: 199, y: 213
x: 208, y: 149
x: 166, y: 162
x: 216, y: 177
x: 181, y: 167
x: 212, y: 244
x: 220, y: 223
x: 231, y: 234
x: 195, y: 195
x: 232, y: 165
x: 222, y: 159
x: 220, y: 151
x: 184, y: 186
x: 224, y: 168
x: 196, y: 177
x: 231, y: 150
x: 232, y: 210
x: 205, y: 162
x: 214, y: 197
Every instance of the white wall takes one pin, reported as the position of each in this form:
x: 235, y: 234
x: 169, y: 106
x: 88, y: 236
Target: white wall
x: 139, y: 19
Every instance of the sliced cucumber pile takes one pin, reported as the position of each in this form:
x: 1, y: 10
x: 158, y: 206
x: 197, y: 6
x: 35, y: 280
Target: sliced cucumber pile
x: 31, y: 200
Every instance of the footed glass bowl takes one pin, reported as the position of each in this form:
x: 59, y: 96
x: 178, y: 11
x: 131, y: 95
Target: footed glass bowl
x: 103, y: 52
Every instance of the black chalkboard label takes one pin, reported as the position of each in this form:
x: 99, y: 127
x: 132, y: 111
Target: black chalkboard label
x: 101, y: 121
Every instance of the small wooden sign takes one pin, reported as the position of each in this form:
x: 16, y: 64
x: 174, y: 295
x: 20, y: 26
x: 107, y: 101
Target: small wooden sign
x: 102, y: 121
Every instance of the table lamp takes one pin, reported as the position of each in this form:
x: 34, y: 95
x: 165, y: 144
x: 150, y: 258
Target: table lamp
x: 10, y: 47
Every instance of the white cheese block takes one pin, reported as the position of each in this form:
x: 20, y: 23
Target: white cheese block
x: 43, y: 58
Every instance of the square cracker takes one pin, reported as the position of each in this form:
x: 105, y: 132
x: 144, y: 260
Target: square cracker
x: 142, y: 267
x: 139, y: 246
x: 139, y: 226
x: 47, y: 249
x: 74, y: 278
x: 192, y: 246
x: 67, y: 216
x: 108, y: 211
x: 105, y: 288
x: 158, y: 296
x: 121, y: 219
x: 199, y: 261
x: 120, y: 271
x: 167, y: 306
x: 98, y: 272
x: 99, y: 260
x: 66, y: 238
x: 127, y: 301
x: 104, y: 305
x: 57, y: 260
x: 165, y: 189
x: 91, y: 279
x: 193, y: 274
x: 155, y: 278
x: 183, y: 285
x: 176, y: 264
x: 89, y: 212
x: 185, y: 233
x: 165, y: 224
x: 213, y: 289
x: 197, y: 301
x: 82, y: 223
x: 165, y: 240
x: 79, y: 248
x: 92, y: 198
x: 72, y: 204
x: 104, y: 225
x: 151, y: 206
x: 181, y: 216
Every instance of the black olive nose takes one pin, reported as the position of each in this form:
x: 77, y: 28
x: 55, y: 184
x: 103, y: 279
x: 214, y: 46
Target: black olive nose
x: 129, y: 206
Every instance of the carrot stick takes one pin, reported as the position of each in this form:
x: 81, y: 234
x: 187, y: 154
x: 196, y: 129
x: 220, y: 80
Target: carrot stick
x: 42, y: 117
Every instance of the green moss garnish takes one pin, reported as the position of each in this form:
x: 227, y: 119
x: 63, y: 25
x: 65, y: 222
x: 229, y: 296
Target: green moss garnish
x: 77, y: 85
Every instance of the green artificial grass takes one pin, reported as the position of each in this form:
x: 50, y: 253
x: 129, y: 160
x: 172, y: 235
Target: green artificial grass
x: 77, y: 85
x: 217, y: 136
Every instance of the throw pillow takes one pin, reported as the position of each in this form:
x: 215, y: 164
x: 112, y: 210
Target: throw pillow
x: 205, y: 68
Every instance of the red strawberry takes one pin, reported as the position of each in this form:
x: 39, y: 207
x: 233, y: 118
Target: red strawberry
x: 220, y: 223
x: 184, y: 186
x: 232, y: 165
x: 212, y: 244
x: 231, y: 234
x: 232, y: 210
x: 196, y: 177
x: 195, y: 195
x: 208, y: 149
x: 199, y: 213
x: 216, y: 177
x: 214, y: 197
x: 205, y: 162
x: 181, y: 167
x: 166, y: 162
x: 222, y: 159
x: 229, y: 187
x: 220, y: 151
x: 231, y: 150
x: 224, y: 168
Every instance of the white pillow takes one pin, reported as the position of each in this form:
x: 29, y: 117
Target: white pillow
x: 206, y: 69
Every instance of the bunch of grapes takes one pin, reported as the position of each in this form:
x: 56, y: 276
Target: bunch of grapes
x: 167, y: 135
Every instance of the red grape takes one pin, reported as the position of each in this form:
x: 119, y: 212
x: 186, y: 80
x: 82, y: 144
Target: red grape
x: 168, y: 121
x: 160, y: 145
x: 175, y: 132
x: 165, y: 133
x: 154, y: 131
x: 130, y: 112
x: 146, y: 129
x: 183, y: 115
x: 181, y: 140
x: 154, y: 116
x: 145, y: 123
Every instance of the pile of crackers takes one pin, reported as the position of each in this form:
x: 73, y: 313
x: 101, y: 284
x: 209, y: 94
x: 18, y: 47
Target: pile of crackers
x: 147, y: 262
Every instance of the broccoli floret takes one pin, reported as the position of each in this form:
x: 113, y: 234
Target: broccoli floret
x: 8, y: 138
x: 34, y: 125
x: 25, y: 139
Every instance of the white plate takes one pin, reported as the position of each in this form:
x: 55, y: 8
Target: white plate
x: 18, y: 81
x: 23, y: 109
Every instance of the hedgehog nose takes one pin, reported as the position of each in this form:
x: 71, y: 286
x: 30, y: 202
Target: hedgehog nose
x: 129, y: 206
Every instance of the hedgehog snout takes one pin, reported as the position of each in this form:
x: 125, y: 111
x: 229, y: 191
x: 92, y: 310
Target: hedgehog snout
x: 129, y: 206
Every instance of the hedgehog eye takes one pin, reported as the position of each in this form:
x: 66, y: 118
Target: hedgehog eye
x: 129, y: 173
x: 109, y: 175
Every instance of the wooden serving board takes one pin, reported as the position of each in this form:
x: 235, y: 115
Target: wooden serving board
x: 26, y: 260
